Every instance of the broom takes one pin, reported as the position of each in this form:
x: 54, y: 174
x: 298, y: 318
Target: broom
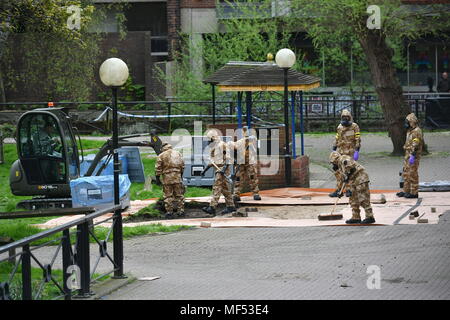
x: 332, y: 216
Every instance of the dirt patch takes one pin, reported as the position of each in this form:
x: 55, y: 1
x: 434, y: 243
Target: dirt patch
x: 192, y: 210
x: 293, y: 212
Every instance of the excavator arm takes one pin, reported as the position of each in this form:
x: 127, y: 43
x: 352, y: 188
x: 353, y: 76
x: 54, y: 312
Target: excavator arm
x: 155, y: 143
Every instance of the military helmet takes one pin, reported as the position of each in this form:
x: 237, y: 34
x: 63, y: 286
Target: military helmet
x: 412, y: 119
x: 212, y: 135
x: 334, y: 157
x: 166, y: 146
x: 346, y: 113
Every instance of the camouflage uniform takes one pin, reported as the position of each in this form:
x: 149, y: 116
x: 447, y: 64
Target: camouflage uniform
x: 358, y: 179
x: 220, y: 155
x: 347, y: 140
x: 246, y: 169
x: 413, y: 146
x: 170, y: 165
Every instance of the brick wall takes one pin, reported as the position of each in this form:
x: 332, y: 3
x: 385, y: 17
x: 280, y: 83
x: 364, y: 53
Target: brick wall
x: 198, y: 3
x: 173, y: 26
x: 300, y: 174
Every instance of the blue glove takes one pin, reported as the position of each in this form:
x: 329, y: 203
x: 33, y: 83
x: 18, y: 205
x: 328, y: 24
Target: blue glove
x: 412, y: 158
x: 356, y: 156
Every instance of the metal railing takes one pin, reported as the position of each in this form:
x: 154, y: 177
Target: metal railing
x: 77, y: 274
x: 317, y: 108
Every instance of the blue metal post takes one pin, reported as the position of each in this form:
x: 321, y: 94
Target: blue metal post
x: 301, y: 124
x: 248, y: 106
x: 239, y: 111
x: 294, y: 152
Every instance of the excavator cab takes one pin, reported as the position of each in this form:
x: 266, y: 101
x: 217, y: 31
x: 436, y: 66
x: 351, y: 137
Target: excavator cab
x: 48, y: 154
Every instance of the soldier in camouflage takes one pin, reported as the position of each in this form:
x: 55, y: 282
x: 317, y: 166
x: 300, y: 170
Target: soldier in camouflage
x: 413, y: 151
x: 220, y: 159
x: 246, y: 165
x: 354, y: 175
x: 347, y: 142
x: 170, y: 165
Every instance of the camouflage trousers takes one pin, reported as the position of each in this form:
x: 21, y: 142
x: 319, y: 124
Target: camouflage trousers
x: 411, y: 176
x: 360, y: 198
x: 221, y: 186
x: 246, y: 173
x: 174, y: 197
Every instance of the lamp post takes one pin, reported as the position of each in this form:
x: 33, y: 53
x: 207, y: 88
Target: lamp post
x: 114, y: 73
x: 285, y: 59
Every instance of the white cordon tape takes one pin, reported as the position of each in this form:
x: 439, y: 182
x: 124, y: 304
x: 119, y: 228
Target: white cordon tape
x: 161, y: 116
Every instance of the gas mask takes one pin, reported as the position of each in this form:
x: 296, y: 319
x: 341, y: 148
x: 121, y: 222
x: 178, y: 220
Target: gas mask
x: 346, y: 122
x: 407, y: 125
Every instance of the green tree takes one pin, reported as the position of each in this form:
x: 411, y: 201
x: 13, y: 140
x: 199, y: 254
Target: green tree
x: 49, y: 49
x: 336, y: 23
x: 248, y: 36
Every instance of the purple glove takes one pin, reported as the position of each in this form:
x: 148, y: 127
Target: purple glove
x: 412, y: 159
x: 356, y: 156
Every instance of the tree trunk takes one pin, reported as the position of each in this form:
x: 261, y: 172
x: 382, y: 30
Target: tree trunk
x: 387, y: 86
x: 2, y: 89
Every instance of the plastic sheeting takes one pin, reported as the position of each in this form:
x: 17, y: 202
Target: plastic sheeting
x: 98, y: 192
x: 439, y: 185
x: 108, y: 170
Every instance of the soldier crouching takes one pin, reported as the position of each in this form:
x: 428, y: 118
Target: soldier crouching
x: 355, y: 175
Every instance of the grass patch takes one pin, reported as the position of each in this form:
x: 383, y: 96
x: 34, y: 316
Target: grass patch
x: 92, y: 144
x: 8, y: 201
x: 49, y: 291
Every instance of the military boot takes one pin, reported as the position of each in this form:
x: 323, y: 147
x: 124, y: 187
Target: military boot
x: 368, y: 220
x: 181, y: 214
x: 228, y: 210
x: 169, y: 215
x: 256, y: 197
x: 400, y: 194
x: 411, y: 196
x: 334, y: 194
x: 353, y: 221
x: 209, y: 210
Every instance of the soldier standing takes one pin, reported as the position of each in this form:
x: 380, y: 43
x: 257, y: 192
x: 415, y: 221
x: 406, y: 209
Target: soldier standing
x: 246, y: 168
x: 413, y: 150
x: 170, y: 165
x: 355, y: 175
x: 347, y: 142
x: 220, y: 159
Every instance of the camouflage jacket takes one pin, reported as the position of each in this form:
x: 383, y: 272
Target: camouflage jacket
x: 219, y: 153
x: 414, y: 142
x: 170, y: 165
x: 352, y: 170
x: 347, y: 139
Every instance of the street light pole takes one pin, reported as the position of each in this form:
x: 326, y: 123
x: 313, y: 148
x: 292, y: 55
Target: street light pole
x: 114, y: 73
x: 117, y: 229
x: 287, y: 153
x: 285, y: 59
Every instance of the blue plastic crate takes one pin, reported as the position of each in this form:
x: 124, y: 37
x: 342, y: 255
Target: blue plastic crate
x: 98, y: 191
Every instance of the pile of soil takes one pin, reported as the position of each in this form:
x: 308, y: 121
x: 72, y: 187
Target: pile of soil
x: 192, y: 210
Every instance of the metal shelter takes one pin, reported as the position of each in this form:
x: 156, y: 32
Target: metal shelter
x: 248, y: 77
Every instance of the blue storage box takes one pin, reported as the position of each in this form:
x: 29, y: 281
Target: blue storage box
x: 98, y: 192
x: 108, y: 170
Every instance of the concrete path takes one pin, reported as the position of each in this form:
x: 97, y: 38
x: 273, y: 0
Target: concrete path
x: 292, y: 263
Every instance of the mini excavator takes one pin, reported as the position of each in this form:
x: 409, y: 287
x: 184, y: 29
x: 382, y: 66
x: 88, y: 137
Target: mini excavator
x: 49, y: 157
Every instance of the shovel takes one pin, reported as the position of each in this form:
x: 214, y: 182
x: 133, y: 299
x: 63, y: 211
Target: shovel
x: 331, y: 216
